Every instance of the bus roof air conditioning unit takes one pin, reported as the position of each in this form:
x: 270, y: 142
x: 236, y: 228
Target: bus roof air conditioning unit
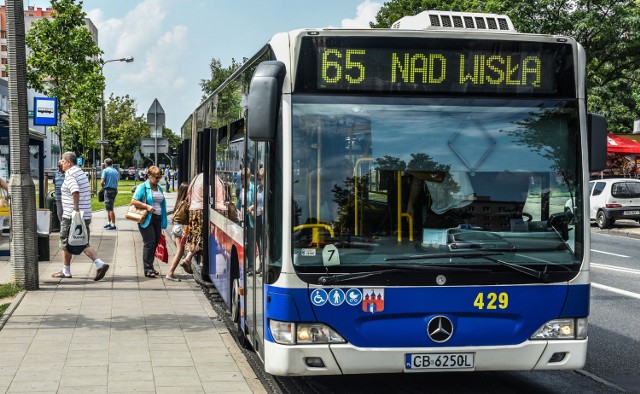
x: 455, y: 20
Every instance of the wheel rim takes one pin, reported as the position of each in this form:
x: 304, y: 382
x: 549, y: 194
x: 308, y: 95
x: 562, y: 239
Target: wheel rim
x: 600, y: 219
x: 235, y: 301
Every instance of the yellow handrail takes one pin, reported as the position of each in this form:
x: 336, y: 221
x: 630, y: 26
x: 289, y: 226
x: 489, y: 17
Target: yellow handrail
x: 315, y: 237
x: 403, y: 214
x: 355, y: 183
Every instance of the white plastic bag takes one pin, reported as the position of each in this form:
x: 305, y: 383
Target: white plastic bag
x: 78, y: 237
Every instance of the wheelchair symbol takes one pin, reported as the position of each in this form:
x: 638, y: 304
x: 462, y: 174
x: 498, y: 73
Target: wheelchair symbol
x: 319, y: 297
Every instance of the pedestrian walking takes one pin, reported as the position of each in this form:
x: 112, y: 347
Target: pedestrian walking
x: 76, y: 197
x: 149, y: 196
x: 58, y: 179
x: 194, y: 234
x: 167, y: 177
x: 178, y: 234
x: 109, y: 182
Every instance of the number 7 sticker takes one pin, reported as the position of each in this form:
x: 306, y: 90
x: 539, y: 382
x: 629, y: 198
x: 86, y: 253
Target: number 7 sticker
x: 330, y: 256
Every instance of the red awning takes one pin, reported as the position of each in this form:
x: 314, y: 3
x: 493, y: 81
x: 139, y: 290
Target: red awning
x: 618, y: 144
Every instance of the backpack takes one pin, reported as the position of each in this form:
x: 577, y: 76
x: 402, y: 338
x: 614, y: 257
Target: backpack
x: 181, y: 213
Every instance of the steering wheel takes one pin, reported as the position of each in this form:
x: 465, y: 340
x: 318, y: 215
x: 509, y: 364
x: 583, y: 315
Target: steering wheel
x: 560, y: 218
x: 560, y: 222
x: 527, y: 216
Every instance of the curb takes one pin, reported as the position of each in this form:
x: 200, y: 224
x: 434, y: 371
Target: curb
x: 14, y: 304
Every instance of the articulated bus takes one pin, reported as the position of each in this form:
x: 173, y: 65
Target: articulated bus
x: 395, y: 200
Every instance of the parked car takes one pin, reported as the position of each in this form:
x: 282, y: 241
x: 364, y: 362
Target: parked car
x: 129, y: 174
x: 612, y: 199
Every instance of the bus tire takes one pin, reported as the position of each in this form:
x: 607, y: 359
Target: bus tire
x: 235, y: 300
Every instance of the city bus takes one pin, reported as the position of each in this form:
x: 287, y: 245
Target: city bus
x: 393, y: 200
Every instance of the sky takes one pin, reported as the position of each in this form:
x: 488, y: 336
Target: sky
x: 173, y: 41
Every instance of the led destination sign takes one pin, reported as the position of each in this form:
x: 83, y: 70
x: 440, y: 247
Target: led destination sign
x: 435, y: 66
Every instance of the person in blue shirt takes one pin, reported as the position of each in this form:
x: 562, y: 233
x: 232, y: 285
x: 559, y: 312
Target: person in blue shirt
x: 109, y: 182
x: 58, y: 180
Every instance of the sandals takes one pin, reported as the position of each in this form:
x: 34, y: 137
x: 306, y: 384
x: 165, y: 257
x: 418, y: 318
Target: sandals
x: 150, y: 274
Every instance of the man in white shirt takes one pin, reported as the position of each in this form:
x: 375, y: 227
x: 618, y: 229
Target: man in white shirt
x: 76, y: 196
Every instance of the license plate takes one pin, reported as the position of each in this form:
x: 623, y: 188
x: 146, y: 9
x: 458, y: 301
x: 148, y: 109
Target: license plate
x: 631, y: 213
x: 421, y: 361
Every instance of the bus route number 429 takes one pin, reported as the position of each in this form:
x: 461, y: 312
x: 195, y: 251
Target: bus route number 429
x: 422, y: 361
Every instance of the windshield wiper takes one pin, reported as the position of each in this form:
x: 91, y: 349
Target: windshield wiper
x: 385, y: 269
x: 429, y: 256
x: 540, y: 275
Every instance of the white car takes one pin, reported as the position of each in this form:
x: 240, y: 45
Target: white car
x: 612, y: 199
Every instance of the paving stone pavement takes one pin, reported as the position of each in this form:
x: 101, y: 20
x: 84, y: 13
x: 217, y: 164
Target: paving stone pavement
x: 125, y: 333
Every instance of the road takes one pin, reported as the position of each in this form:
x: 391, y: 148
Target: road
x: 614, y: 337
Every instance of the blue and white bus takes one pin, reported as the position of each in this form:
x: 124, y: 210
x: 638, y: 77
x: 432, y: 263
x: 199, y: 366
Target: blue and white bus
x: 393, y: 200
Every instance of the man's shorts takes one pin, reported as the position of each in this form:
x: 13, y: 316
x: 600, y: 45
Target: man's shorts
x: 64, y: 231
x: 109, y: 198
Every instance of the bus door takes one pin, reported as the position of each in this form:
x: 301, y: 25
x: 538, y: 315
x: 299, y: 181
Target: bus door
x: 254, y: 242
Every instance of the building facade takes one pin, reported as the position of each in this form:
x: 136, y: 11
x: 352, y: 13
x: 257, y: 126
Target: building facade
x: 51, y: 149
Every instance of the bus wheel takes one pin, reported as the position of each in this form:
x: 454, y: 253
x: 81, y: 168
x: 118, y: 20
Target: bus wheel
x: 235, y: 301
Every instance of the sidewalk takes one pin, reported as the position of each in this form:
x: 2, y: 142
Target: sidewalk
x: 125, y: 333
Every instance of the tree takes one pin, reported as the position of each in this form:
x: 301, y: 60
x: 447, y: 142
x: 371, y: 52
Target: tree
x: 123, y: 129
x: 228, y: 103
x: 609, y: 30
x: 63, y: 63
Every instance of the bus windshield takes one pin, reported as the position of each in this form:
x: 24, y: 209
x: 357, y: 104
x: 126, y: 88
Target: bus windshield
x: 430, y: 181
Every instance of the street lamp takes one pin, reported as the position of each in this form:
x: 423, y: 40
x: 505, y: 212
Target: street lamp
x: 127, y: 59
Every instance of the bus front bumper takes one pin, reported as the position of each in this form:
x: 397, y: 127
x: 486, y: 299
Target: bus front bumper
x: 340, y: 359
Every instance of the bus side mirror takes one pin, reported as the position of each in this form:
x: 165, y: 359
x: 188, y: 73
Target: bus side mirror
x: 265, y: 94
x: 597, y: 141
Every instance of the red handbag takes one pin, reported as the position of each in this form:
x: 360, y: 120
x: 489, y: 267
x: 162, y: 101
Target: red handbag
x: 162, y: 253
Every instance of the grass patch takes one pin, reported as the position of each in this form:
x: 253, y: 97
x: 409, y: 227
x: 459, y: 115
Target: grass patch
x: 123, y: 197
x: 6, y: 291
x: 9, y: 290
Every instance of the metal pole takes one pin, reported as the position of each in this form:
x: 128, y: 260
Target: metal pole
x: 155, y: 134
x: 23, y: 242
x: 127, y: 59
x: 102, y: 123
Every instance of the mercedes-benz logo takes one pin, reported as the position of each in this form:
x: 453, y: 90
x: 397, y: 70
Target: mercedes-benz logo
x: 440, y: 329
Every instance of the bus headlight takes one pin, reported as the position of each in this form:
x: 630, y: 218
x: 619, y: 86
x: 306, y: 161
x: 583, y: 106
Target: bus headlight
x: 562, y: 329
x: 317, y: 333
x: 305, y: 333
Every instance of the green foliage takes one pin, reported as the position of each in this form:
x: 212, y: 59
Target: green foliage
x: 609, y: 30
x: 228, y: 106
x: 9, y: 290
x: 63, y: 63
x: 123, y: 129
